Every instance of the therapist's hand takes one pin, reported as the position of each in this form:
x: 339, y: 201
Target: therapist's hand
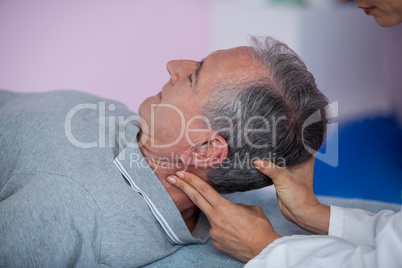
x: 296, y: 198
x: 242, y: 231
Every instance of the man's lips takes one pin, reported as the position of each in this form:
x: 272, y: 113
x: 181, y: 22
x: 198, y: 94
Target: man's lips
x: 368, y: 10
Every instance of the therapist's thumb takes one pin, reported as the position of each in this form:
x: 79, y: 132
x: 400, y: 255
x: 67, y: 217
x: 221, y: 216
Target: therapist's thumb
x: 269, y: 168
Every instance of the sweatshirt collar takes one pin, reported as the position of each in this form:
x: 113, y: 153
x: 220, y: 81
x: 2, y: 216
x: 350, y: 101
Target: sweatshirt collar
x: 134, y: 167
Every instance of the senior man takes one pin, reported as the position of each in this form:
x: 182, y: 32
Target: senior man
x: 83, y: 180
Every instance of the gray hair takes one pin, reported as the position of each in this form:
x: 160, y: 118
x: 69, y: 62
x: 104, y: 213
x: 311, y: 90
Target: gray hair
x: 287, y: 99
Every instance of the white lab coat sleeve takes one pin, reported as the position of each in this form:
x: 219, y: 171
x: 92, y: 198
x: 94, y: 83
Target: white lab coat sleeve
x: 356, y: 238
x: 362, y: 227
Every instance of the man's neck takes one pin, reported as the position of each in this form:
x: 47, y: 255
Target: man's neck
x: 164, y: 167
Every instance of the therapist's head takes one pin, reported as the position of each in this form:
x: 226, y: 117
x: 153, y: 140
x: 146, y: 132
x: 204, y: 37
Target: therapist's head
x: 386, y: 13
x: 235, y: 106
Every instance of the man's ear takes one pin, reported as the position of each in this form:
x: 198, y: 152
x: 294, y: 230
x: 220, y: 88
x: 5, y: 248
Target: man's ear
x: 211, y: 153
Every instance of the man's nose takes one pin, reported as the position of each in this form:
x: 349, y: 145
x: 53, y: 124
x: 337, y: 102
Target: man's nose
x: 180, y: 68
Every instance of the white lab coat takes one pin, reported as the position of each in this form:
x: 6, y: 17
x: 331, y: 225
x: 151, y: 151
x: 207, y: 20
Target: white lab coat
x: 357, y: 238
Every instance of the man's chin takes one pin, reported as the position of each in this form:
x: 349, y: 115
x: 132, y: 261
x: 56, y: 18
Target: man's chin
x: 145, y: 106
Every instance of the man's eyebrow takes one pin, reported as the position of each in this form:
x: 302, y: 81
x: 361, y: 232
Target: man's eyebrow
x: 197, y: 72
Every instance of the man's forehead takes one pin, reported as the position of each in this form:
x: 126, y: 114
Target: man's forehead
x: 237, y: 61
x: 234, y: 52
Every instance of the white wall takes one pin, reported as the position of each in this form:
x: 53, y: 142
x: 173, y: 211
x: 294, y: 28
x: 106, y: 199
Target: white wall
x: 119, y: 49
x: 340, y: 45
x: 116, y: 49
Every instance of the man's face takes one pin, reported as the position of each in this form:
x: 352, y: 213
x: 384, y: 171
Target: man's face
x: 386, y: 13
x: 170, y: 118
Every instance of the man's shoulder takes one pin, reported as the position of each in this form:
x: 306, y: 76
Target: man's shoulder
x: 42, y: 112
x: 39, y: 210
x: 56, y: 131
x: 59, y: 97
x: 47, y: 188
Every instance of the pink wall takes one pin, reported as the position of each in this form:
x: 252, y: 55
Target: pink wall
x: 116, y: 49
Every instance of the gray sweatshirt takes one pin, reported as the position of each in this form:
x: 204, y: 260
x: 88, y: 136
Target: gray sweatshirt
x: 75, y: 189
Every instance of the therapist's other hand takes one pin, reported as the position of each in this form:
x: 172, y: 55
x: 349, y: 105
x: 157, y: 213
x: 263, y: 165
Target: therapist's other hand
x: 242, y: 231
x: 296, y: 198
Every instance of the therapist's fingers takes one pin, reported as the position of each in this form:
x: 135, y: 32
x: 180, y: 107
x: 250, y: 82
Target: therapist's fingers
x: 294, y: 186
x: 199, y: 191
x: 302, y: 172
x: 268, y: 168
x: 195, y: 196
x: 238, y: 229
x: 295, y: 194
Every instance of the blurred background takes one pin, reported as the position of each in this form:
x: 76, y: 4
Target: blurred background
x: 119, y: 50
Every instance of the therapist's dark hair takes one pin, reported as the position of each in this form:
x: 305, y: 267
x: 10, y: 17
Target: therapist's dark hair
x: 287, y: 98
